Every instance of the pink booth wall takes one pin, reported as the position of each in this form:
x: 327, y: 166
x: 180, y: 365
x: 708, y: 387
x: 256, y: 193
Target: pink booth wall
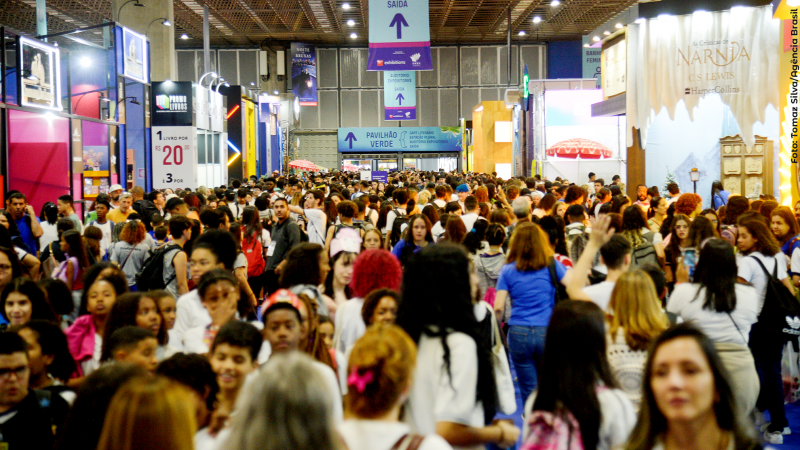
x: 38, y: 156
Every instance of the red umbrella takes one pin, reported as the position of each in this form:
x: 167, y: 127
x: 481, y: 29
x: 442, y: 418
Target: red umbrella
x: 303, y: 164
x: 579, y: 147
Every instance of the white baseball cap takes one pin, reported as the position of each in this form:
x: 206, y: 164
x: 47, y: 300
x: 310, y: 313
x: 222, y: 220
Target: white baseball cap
x: 115, y: 187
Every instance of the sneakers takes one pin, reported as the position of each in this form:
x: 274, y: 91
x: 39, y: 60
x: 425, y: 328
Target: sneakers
x: 786, y: 431
x: 773, y: 438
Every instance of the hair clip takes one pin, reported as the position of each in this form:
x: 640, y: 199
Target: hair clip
x: 360, y: 381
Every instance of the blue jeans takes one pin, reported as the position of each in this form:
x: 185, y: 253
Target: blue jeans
x: 526, y: 346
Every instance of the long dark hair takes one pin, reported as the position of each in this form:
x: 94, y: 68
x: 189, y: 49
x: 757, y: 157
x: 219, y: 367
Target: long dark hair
x: 574, y: 364
x: 652, y: 424
x: 766, y: 242
x: 555, y: 229
x: 409, y: 237
x: 77, y: 248
x: 53, y: 342
x: 474, y: 239
x: 123, y: 313
x: 251, y: 223
x: 302, y: 266
x: 40, y: 307
x: 716, y: 187
x: 49, y: 213
x: 437, y: 309
x: 716, y: 271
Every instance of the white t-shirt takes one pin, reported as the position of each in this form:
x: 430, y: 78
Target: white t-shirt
x: 107, y: 232
x: 437, y: 230
x: 435, y: 396
x: 349, y: 325
x: 316, y: 225
x: 382, y: 435
x: 617, y: 417
x: 90, y: 365
x: 469, y: 220
x: 190, y: 313
x: 50, y: 234
x: 440, y: 203
x: 600, y: 293
x: 686, y: 303
x: 750, y: 271
x: 390, y: 216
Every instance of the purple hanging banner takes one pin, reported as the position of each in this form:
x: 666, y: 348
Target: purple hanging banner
x: 399, y: 35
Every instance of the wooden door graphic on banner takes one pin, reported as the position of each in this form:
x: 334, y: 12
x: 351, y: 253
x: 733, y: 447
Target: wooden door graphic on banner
x: 746, y: 170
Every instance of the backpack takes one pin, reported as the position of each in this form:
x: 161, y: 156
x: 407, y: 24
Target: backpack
x: 255, y: 257
x: 549, y: 431
x: 644, y: 254
x: 398, y: 226
x: 780, y: 317
x: 151, y: 276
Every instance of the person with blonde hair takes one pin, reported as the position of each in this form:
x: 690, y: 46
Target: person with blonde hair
x: 149, y: 412
x: 527, y: 281
x: 636, y: 321
x: 131, y: 251
x: 378, y: 382
x: 286, y: 407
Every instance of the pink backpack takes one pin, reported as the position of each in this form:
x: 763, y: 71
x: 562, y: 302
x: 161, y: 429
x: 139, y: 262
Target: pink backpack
x: 548, y: 431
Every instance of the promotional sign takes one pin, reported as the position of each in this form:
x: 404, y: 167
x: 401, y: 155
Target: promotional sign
x: 202, y: 111
x: 172, y: 103
x: 400, y: 95
x: 174, y: 157
x: 399, y: 35
x: 304, y: 73
x: 591, y: 60
x: 614, y: 69
x: 40, y: 67
x: 134, y: 61
x: 676, y: 60
x: 380, y: 176
x: 416, y: 139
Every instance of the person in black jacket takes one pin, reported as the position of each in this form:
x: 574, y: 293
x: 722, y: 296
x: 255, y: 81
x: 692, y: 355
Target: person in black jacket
x: 28, y: 418
x: 145, y: 208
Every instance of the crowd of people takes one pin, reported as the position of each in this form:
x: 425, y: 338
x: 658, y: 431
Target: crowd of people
x: 320, y: 311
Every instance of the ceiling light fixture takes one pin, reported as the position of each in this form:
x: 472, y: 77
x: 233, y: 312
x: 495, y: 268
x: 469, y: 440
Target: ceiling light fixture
x: 353, y: 35
x: 86, y: 62
x: 606, y: 33
x: 275, y: 92
x: 555, y: 3
x: 522, y: 32
x: 537, y: 19
x: 618, y: 25
x: 345, y: 6
x: 184, y: 36
x: 596, y: 38
x: 351, y: 22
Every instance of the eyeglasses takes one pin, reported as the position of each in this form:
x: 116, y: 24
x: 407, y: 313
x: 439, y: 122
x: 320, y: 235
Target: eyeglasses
x: 17, y: 371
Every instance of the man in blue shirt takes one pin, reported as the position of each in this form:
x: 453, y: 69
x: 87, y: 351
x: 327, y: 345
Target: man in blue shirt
x: 25, y: 218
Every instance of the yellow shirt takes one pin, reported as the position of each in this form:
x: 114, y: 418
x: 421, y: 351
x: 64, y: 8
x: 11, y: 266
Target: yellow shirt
x: 116, y: 215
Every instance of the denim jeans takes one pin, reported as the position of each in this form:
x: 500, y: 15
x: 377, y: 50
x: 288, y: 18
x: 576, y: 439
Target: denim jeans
x: 767, y: 353
x: 526, y: 345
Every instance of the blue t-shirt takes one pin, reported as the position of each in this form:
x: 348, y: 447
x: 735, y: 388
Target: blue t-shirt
x: 788, y: 249
x: 26, y: 234
x: 532, y: 294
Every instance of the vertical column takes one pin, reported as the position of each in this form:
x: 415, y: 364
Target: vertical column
x: 206, y: 45
x: 41, y: 17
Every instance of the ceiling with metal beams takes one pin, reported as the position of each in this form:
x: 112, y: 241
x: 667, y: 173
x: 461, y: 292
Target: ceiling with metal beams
x: 252, y: 22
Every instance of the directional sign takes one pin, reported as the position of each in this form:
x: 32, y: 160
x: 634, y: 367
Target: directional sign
x: 397, y: 139
x: 400, y: 95
x: 399, y: 35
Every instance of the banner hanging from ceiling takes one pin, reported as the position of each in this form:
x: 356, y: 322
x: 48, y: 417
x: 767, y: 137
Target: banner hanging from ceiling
x: 400, y: 95
x: 304, y: 73
x: 399, y: 35
x: 730, y: 53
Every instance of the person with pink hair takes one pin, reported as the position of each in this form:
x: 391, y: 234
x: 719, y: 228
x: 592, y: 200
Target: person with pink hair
x: 373, y: 269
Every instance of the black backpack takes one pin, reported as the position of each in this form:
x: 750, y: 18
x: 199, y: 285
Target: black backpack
x: 396, y: 232
x: 780, y: 317
x: 151, y: 276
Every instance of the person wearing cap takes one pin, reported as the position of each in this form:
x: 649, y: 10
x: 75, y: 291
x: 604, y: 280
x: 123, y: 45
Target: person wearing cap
x: 114, y: 192
x: 462, y: 191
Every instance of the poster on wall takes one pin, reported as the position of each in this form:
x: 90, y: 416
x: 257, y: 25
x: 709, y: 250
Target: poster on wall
x: 174, y: 157
x: 304, y: 73
x: 614, y: 69
x: 400, y: 95
x: 95, y: 160
x: 399, y: 35
x: 134, y: 59
x: 40, y: 83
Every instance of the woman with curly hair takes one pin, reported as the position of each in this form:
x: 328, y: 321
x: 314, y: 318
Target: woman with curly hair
x: 689, y: 204
x: 131, y: 251
x: 373, y: 269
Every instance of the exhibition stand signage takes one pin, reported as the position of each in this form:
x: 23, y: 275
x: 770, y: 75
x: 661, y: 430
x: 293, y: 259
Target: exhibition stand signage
x: 399, y: 35
x: 380, y: 176
x: 40, y: 83
x: 400, y: 95
x: 174, y: 140
x: 388, y: 139
x: 304, y: 73
x: 135, y: 59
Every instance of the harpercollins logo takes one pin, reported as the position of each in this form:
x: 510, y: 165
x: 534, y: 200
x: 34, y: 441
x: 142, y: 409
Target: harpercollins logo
x: 171, y: 103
